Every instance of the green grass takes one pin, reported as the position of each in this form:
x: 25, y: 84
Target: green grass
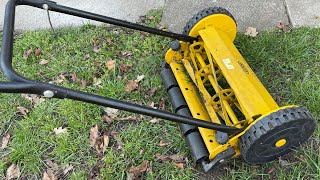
x: 287, y: 63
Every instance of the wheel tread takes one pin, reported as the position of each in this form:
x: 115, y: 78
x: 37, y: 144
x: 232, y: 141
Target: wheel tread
x: 202, y: 14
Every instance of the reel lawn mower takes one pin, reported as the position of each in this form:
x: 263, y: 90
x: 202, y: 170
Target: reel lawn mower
x: 223, y: 109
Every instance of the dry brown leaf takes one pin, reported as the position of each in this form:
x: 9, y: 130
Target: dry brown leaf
x: 96, y: 46
x: 38, y: 51
x: 52, y: 164
x: 251, y: 31
x: 97, y: 82
x: 163, y: 143
x: 48, y: 175
x: 13, y: 172
x: 129, y: 118
x: 107, y: 119
x: 113, y: 113
x: 34, y: 99
x: 154, y: 120
x: 117, y: 137
x: 179, y: 165
x: 131, y: 86
x: 162, y: 104
x: 152, y: 105
x: 27, y: 53
x: 43, y: 62
x: 59, y: 131
x: 283, y: 162
x: 5, y: 141
x: 109, y: 41
x: 60, y: 79
x: 22, y: 110
x: 161, y: 157
x: 151, y: 92
x: 141, y: 151
x: 139, y: 78
x: 284, y: 27
x: 136, y: 170
x: 94, y: 135
x: 177, y: 158
x: 125, y: 67
x: 67, y: 169
x: 75, y: 78
x: 83, y: 84
x: 102, y: 144
x: 111, y: 64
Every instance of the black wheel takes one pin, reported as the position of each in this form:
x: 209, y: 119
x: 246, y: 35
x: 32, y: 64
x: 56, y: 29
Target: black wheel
x: 209, y: 12
x: 276, y: 134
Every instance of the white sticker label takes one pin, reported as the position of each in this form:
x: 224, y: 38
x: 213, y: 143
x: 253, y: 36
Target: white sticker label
x: 228, y: 63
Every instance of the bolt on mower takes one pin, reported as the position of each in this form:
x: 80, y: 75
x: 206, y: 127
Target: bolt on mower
x: 222, y: 108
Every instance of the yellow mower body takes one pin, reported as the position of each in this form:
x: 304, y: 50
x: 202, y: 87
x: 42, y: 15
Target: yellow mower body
x: 218, y: 84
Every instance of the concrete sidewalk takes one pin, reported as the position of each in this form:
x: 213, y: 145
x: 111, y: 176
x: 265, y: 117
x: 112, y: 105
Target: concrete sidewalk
x: 260, y: 14
x: 29, y: 18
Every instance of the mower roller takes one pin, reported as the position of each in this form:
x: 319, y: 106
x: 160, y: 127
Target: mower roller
x: 223, y: 109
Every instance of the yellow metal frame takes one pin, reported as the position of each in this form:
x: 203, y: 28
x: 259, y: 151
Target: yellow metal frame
x: 215, y: 80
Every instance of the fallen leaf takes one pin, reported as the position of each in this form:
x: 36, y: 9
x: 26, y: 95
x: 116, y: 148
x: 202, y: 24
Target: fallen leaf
x: 87, y: 56
x: 283, y: 162
x: 137, y: 170
x: 152, y: 105
x: 284, y: 27
x: 125, y: 67
x: 107, y: 119
x: 38, y: 51
x: 97, y: 81
x: 161, y: 157
x: 270, y: 170
x: 131, y: 86
x: 162, y: 104
x: 48, y: 175
x: 128, y: 118
x: 94, y: 135
x: 141, y: 151
x: 83, y: 84
x: 67, y: 168
x: 251, y: 31
x: 52, y: 164
x: 43, y: 62
x: 113, y: 113
x: 27, y: 53
x: 142, y: 19
x: 177, y: 158
x: 154, y: 120
x: 5, y: 141
x: 22, y: 110
x: 13, y: 172
x: 117, y: 137
x: 179, y: 165
x: 34, y: 99
x: 111, y: 64
x: 139, y: 78
x: 60, y: 130
x: 102, y: 144
x: 96, y: 46
x: 151, y: 92
x: 74, y: 77
x: 109, y: 41
x: 60, y: 79
x: 163, y: 143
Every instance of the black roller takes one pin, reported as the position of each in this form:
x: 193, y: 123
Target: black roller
x: 190, y: 132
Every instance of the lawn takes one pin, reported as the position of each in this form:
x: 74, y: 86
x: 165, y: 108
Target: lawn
x: 103, y: 60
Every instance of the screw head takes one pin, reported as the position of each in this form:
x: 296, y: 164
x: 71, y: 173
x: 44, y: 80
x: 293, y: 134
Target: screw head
x: 45, y: 6
x: 48, y: 94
